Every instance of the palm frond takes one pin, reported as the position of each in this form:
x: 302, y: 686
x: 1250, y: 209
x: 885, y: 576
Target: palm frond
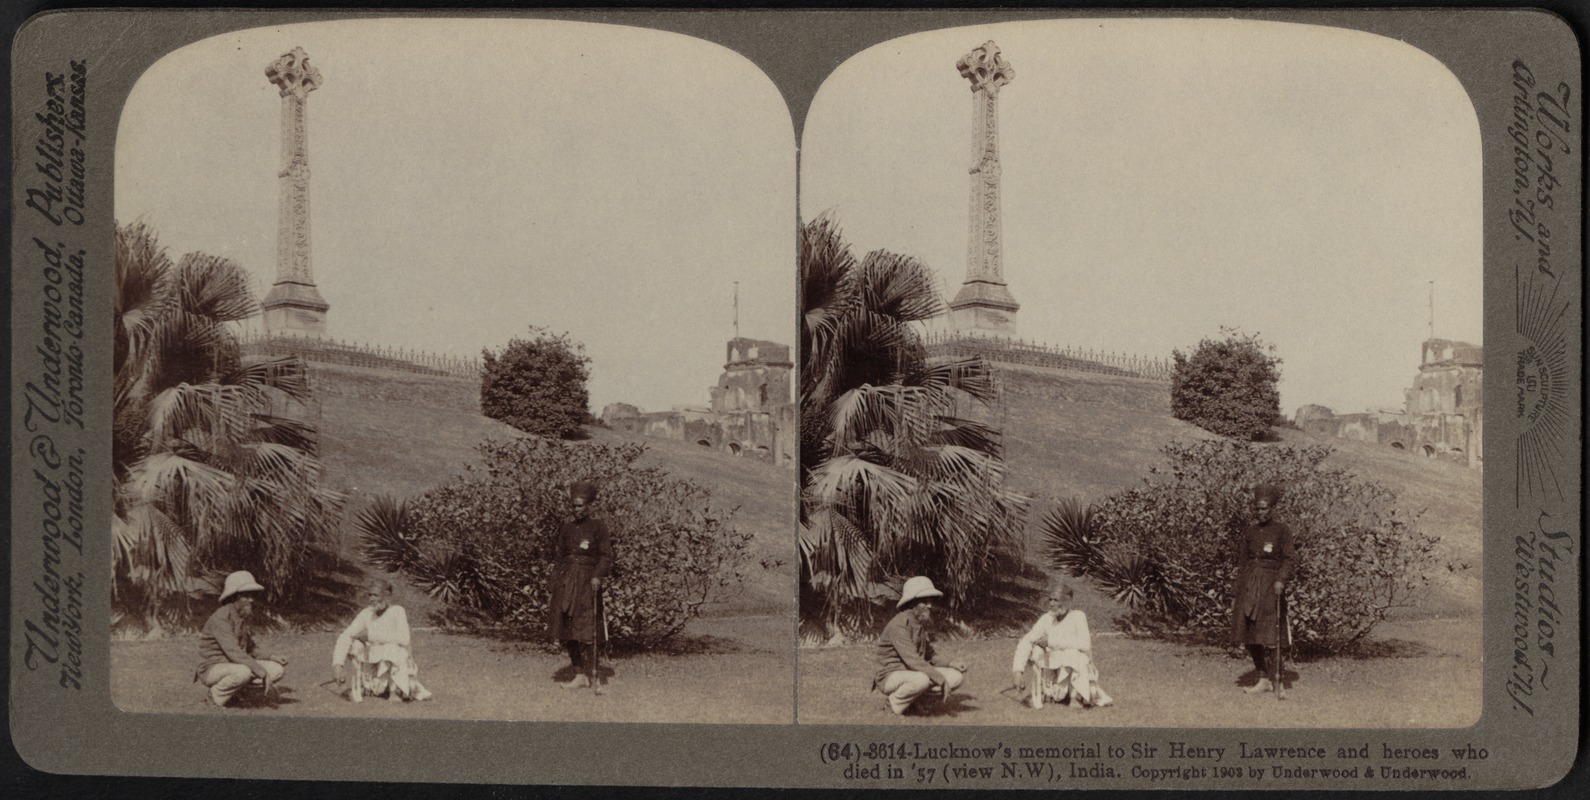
x: 384, y: 533
x: 899, y: 287
x: 215, y: 288
x: 972, y: 375
x: 966, y: 433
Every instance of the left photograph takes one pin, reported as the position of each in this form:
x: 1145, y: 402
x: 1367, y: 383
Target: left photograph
x: 453, y: 377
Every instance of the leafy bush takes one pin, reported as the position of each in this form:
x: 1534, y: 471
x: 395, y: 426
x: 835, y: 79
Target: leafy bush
x: 483, y: 544
x: 537, y: 385
x: 1228, y: 386
x: 1168, y: 549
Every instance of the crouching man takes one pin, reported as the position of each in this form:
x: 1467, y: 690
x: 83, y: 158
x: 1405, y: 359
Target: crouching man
x: 229, y: 658
x: 908, y: 665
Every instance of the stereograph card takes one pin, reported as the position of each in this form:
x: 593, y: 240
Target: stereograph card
x: 748, y: 352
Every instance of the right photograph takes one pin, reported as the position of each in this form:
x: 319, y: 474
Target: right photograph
x: 1141, y: 370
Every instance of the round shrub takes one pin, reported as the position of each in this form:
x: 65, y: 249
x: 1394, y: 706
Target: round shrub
x: 538, y: 385
x: 483, y: 544
x: 1168, y: 548
x: 1228, y: 386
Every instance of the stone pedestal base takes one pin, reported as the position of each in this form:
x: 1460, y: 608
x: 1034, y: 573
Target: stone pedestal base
x: 984, y: 308
x: 984, y: 321
x: 295, y: 309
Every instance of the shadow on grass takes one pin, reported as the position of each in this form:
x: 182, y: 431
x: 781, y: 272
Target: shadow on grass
x: 566, y: 673
x: 686, y: 644
x: 1251, y: 678
x: 683, y: 644
x: 334, y: 595
x: 1363, y: 650
x: 254, y: 698
x: 932, y: 705
x: 1386, y: 648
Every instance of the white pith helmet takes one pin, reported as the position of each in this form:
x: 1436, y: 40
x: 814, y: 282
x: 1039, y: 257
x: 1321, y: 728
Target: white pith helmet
x: 240, y: 581
x: 917, y: 587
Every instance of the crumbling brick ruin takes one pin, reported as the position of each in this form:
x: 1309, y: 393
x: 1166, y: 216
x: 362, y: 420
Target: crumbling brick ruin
x: 751, y: 413
x: 1443, y: 414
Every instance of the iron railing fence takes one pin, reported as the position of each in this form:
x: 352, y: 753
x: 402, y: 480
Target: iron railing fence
x: 1037, y: 354
x: 361, y: 355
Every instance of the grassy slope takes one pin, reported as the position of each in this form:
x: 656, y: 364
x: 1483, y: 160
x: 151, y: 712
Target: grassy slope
x: 1074, y: 434
x: 1078, y: 434
x: 378, y: 443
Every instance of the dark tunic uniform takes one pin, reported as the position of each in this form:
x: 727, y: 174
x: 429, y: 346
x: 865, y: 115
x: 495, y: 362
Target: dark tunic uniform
x: 1265, y: 555
x: 583, y: 550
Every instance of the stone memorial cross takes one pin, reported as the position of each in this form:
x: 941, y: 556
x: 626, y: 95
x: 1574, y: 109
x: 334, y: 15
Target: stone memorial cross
x: 984, y: 305
x: 294, y: 306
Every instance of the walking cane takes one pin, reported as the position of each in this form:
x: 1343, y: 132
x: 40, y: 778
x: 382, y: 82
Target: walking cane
x: 596, y: 646
x: 1280, y: 645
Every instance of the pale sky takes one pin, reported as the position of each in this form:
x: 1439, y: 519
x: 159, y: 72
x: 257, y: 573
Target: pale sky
x: 1164, y: 178
x: 473, y: 178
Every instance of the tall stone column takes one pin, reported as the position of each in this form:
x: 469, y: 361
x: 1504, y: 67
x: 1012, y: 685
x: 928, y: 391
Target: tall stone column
x: 984, y: 305
x: 294, y: 306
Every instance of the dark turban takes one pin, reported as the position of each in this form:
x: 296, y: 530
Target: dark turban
x: 1265, y: 491
x: 585, y: 489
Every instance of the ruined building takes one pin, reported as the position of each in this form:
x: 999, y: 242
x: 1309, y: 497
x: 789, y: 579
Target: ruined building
x: 752, y: 411
x: 1443, y: 414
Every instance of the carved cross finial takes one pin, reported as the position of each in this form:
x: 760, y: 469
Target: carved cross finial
x: 986, y: 68
x: 293, y: 74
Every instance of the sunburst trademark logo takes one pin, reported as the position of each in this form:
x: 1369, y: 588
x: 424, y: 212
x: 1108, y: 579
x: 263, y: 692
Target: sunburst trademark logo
x: 1534, y: 383
x: 1541, y: 388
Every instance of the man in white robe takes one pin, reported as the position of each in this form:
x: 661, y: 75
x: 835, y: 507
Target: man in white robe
x: 1060, y: 650
x: 378, y: 644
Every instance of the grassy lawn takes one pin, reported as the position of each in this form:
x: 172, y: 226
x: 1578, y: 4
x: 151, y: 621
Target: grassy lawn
x: 1428, y: 678
x: 722, y: 671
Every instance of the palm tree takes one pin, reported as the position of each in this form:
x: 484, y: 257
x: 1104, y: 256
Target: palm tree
x: 894, y: 481
x: 209, y: 475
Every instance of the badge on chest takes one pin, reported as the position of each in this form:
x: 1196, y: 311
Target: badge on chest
x: 1269, y: 547
x: 585, y: 544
